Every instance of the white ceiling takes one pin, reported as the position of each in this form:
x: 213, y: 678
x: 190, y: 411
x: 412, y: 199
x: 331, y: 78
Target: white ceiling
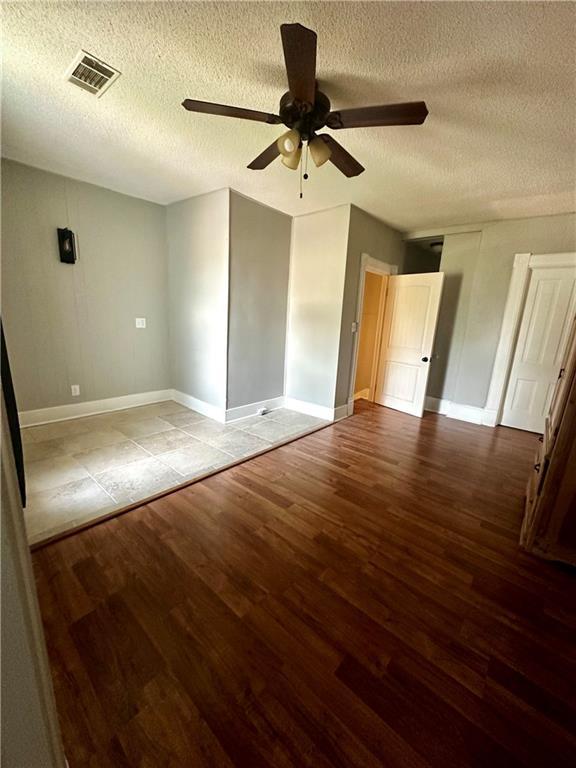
x: 499, y: 80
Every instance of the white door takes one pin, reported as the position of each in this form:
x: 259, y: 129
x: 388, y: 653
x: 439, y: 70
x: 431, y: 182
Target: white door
x: 410, y: 317
x: 544, y: 329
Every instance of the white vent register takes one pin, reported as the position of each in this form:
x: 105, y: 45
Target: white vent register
x: 91, y: 74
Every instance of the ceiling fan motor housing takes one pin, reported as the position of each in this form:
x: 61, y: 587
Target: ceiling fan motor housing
x: 299, y: 115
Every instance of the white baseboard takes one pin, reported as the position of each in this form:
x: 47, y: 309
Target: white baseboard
x: 470, y: 413
x: 342, y: 412
x: 364, y: 394
x: 91, y: 407
x: 310, y: 409
x: 206, y: 409
x: 490, y: 417
x: 244, y: 411
x: 436, y: 405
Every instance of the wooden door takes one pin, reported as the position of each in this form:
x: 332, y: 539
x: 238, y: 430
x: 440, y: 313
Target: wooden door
x: 410, y: 318
x: 542, y: 339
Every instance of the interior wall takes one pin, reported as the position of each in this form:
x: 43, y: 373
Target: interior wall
x: 316, y: 294
x: 366, y: 235
x: 486, y: 277
x: 459, y: 259
x: 75, y: 324
x: 368, y: 331
x: 259, y: 269
x: 419, y: 259
x: 198, y: 263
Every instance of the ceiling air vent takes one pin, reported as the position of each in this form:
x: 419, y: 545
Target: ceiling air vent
x: 91, y: 74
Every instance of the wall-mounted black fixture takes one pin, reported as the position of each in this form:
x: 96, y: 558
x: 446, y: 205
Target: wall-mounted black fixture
x: 66, y: 246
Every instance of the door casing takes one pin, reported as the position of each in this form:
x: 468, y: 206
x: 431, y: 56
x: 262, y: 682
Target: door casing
x: 367, y: 264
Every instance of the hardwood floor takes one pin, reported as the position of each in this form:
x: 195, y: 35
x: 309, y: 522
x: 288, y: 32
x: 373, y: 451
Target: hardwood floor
x: 355, y: 598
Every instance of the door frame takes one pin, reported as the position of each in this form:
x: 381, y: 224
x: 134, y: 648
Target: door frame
x: 524, y: 263
x: 367, y: 264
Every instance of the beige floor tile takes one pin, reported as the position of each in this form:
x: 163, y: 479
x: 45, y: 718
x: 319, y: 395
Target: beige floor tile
x: 149, y: 411
x: 27, y: 436
x: 208, y: 428
x: 47, y: 449
x: 115, y: 449
x: 110, y: 456
x: 88, y: 440
x: 182, y: 418
x: 56, y: 430
x: 138, y: 480
x: 165, y: 441
x: 50, y: 473
x: 54, y: 508
x: 273, y: 431
x: 250, y: 421
x: 143, y: 427
x: 195, y: 458
x: 238, y: 443
x: 296, y: 419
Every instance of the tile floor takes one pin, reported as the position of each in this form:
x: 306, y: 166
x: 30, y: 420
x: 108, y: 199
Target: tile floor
x: 80, y: 469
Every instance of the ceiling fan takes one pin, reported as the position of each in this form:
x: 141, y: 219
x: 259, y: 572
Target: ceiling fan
x: 304, y: 110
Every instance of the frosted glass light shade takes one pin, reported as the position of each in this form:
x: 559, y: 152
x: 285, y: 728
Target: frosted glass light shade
x: 288, y: 142
x: 319, y: 150
x: 292, y: 160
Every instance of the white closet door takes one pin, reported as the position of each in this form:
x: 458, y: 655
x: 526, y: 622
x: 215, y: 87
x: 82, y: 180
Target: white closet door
x: 410, y: 318
x: 544, y: 329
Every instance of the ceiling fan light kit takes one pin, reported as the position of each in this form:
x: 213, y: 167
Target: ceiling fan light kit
x: 292, y: 160
x: 289, y: 142
x: 305, y: 110
x: 319, y: 150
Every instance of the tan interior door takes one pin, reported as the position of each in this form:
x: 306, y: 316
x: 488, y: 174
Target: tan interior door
x: 410, y: 319
x: 542, y: 339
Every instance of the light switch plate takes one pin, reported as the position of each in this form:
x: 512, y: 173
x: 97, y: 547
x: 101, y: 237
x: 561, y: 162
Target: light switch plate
x: 140, y: 322
x: 75, y: 389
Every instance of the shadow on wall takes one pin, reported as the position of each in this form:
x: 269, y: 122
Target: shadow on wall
x: 419, y: 257
x: 444, y: 334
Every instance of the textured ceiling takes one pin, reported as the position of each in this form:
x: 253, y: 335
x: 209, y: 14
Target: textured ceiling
x: 499, y: 80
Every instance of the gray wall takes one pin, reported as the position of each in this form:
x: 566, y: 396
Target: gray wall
x: 418, y: 259
x: 366, y: 235
x: 317, y: 273
x: 198, y: 248
x: 459, y: 259
x: 259, y: 267
x: 74, y: 324
x: 484, y: 260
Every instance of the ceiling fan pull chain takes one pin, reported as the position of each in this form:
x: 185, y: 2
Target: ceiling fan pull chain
x: 300, y: 174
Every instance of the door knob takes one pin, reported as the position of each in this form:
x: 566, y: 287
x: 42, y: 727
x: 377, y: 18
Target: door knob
x: 424, y: 359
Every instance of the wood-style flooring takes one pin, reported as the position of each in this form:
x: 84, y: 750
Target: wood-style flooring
x: 355, y: 598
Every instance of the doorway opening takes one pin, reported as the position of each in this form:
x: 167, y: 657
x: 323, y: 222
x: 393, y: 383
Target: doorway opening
x: 397, y: 317
x: 373, y: 302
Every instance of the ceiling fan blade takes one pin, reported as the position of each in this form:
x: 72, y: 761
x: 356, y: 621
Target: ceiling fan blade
x: 410, y: 113
x: 299, y: 45
x: 342, y: 159
x: 225, y: 111
x: 265, y: 158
